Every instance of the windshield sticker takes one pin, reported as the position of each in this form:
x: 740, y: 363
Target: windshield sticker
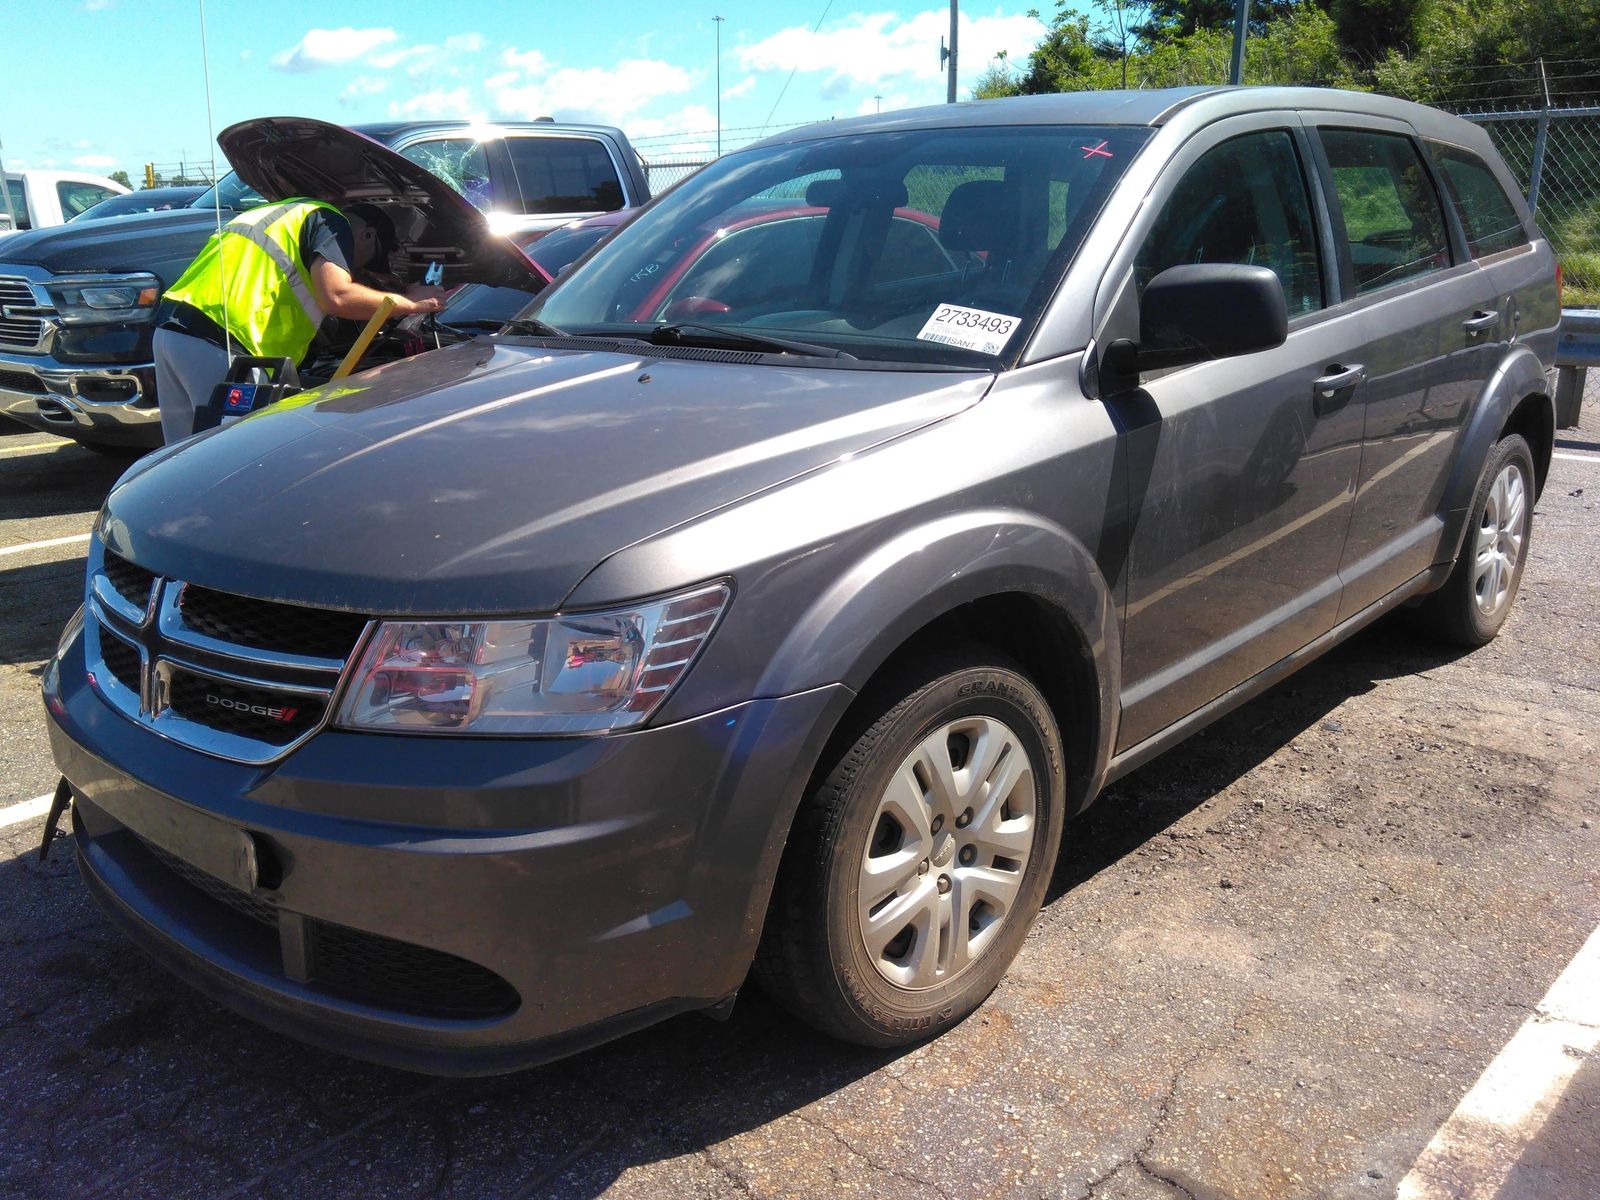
x: 969, y: 328
x: 1099, y: 151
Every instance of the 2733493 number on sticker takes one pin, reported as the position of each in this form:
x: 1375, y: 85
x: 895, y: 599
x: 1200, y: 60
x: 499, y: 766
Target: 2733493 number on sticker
x: 969, y: 328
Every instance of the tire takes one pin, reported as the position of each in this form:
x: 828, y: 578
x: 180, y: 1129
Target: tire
x: 857, y: 831
x: 1474, y: 602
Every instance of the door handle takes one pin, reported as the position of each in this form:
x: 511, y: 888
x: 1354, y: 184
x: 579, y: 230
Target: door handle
x: 1332, y: 391
x: 1481, y: 321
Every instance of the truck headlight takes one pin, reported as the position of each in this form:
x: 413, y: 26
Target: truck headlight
x: 590, y: 672
x: 104, y: 299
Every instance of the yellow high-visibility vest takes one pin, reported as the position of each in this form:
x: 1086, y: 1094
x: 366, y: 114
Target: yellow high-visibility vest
x: 252, y: 281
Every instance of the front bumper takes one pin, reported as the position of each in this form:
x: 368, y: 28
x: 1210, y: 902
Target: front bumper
x: 114, y: 405
x: 487, y: 903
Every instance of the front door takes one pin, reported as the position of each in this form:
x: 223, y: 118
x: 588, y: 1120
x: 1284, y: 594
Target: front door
x: 1241, y: 470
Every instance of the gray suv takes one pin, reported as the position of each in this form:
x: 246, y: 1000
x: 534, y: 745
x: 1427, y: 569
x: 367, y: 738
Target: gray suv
x: 772, y: 591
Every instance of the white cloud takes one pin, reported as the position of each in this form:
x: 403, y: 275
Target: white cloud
x: 361, y: 87
x: 743, y: 88
x: 94, y: 162
x: 695, y: 119
x: 441, y: 102
x: 871, y: 49
x: 530, y: 61
x: 388, y: 59
x: 611, y: 94
x: 889, y: 103
x: 327, y: 47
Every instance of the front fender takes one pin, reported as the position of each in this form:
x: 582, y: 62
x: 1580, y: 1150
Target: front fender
x: 853, y: 626
x: 1519, y: 375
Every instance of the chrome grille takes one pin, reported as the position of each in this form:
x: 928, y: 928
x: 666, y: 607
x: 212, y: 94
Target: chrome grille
x: 19, y: 329
x: 228, y: 675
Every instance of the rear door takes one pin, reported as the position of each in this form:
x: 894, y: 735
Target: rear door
x: 1410, y: 300
x: 1240, y: 470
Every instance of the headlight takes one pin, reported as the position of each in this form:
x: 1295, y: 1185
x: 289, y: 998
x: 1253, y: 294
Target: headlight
x: 590, y: 672
x: 104, y: 299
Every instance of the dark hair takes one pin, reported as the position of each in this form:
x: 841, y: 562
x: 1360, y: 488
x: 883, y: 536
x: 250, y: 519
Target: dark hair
x: 378, y: 221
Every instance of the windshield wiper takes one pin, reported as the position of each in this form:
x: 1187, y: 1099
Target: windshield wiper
x: 532, y: 325
x: 718, y: 337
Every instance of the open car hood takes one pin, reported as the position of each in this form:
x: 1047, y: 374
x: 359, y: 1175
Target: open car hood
x: 286, y: 157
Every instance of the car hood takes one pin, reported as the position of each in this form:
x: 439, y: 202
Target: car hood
x: 287, y: 157
x: 491, y: 477
x: 164, y: 242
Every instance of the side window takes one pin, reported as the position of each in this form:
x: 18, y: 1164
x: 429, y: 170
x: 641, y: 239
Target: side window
x: 562, y: 175
x: 1487, y: 215
x: 1392, y: 218
x: 760, y: 265
x: 1246, y: 202
x: 19, y: 203
x: 460, y: 162
x: 79, y: 197
x: 911, y: 250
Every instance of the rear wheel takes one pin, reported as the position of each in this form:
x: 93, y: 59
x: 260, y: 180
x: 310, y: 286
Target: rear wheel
x: 917, y: 864
x: 1476, y: 600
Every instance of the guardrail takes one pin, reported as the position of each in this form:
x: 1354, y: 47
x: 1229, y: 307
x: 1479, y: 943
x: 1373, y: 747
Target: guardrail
x: 1577, y: 349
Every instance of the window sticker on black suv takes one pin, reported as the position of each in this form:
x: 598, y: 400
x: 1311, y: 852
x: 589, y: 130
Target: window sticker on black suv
x: 1488, y: 217
x: 1392, y: 219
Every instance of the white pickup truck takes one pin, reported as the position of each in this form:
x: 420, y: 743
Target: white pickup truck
x: 40, y: 199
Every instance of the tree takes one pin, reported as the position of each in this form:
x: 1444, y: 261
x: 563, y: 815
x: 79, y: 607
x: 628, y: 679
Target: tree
x: 1369, y: 29
x: 1170, y: 19
x: 997, y: 80
x: 121, y: 177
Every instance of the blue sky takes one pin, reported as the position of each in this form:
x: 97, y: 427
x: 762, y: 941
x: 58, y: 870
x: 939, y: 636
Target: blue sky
x: 115, y: 83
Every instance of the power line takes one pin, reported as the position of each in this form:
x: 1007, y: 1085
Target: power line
x: 790, y: 80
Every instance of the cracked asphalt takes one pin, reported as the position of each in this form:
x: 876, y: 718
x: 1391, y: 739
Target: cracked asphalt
x: 1270, y: 965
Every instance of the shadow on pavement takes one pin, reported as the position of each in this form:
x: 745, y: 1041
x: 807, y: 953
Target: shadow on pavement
x: 35, y: 602
x: 1138, y: 807
x: 63, y: 479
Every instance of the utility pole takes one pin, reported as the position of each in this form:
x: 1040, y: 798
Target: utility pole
x: 947, y: 54
x: 5, y: 191
x: 1241, y: 25
x: 718, y: 21
x: 879, y: 99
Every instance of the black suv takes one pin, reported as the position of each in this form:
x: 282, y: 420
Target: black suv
x: 76, y: 301
x: 775, y: 588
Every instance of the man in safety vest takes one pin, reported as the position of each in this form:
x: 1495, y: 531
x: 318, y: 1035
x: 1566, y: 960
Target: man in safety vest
x: 263, y: 286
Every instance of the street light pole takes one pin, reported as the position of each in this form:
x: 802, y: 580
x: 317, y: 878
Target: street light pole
x: 950, y: 84
x: 719, y: 21
x: 1241, y: 25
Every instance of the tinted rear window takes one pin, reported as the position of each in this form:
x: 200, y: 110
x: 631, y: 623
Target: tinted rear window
x: 1488, y: 217
x: 563, y: 174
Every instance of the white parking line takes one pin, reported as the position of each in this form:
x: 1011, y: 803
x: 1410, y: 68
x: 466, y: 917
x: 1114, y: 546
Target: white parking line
x: 1475, y: 1150
x: 60, y: 541
x: 1594, y: 458
x: 26, y: 810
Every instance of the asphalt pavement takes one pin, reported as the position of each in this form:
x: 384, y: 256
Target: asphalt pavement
x: 1295, y: 957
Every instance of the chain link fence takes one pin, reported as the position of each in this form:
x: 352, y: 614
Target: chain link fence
x: 1555, y: 155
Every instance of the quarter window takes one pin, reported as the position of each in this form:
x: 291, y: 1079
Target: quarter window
x: 80, y: 197
x: 1488, y: 217
x: 1392, y: 219
x: 1244, y: 202
x: 564, y: 175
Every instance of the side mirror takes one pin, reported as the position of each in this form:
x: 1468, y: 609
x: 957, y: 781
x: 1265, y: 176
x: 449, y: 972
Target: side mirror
x: 1203, y: 311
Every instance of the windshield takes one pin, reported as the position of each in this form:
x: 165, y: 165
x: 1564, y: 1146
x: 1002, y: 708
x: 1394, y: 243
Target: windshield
x: 931, y: 245
x: 236, y: 194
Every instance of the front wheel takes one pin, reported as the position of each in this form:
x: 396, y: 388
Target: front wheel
x: 1475, y: 601
x: 919, y: 861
